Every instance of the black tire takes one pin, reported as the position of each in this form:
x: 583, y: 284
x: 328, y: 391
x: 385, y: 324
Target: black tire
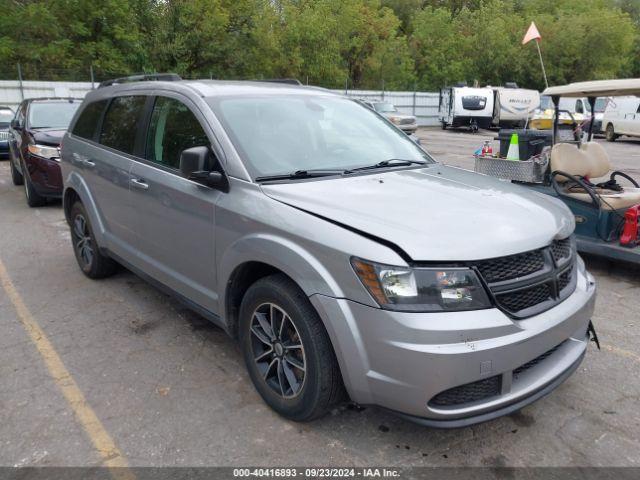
x: 90, y: 260
x: 16, y: 176
x: 33, y: 198
x: 443, y: 125
x: 319, y: 385
x: 610, y: 134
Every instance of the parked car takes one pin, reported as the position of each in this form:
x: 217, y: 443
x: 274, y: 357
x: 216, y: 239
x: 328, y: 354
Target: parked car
x: 598, y: 113
x: 406, y: 123
x: 331, y: 246
x: 6, y: 115
x: 621, y: 117
x: 573, y: 111
x: 34, y: 141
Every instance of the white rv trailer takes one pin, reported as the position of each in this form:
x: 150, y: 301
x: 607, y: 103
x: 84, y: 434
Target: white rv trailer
x: 621, y: 117
x: 513, y: 107
x: 466, y: 107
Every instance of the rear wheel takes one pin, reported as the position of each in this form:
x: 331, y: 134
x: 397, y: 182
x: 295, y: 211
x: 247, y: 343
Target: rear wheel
x: 33, y: 198
x: 443, y: 124
x: 287, y: 350
x: 16, y: 176
x: 92, y: 263
x: 611, y: 134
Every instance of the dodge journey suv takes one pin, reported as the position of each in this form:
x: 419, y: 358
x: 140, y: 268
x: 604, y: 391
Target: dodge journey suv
x: 345, y: 261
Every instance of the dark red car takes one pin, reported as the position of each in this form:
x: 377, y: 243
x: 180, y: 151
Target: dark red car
x: 34, y: 141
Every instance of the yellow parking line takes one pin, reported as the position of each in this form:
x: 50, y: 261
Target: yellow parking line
x: 111, y: 456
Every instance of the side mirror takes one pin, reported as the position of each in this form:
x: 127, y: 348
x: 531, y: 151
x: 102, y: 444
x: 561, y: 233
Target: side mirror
x: 16, y: 125
x: 194, y: 165
x: 193, y: 159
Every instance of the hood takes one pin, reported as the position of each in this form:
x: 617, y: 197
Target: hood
x: 48, y: 136
x: 435, y: 213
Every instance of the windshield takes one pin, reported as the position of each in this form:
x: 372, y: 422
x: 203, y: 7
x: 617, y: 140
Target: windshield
x: 600, y: 105
x: 384, y: 107
x: 282, y: 134
x: 52, y: 114
x: 6, y: 116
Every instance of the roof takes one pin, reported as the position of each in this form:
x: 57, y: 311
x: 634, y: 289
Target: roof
x: 211, y: 88
x: 597, y: 88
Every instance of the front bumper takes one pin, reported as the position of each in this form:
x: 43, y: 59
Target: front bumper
x: 402, y: 361
x: 4, y: 147
x: 408, y: 128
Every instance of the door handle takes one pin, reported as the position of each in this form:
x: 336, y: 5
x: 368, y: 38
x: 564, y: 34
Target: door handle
x: 89, y: 163
x: 139, y: 183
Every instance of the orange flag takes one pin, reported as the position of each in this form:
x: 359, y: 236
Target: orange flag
x: 532, y: 34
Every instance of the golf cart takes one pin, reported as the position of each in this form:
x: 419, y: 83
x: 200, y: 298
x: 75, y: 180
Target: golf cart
x: 578, y: 172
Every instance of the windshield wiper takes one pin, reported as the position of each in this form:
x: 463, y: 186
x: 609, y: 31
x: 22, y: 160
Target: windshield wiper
x: 298, y: 174
x: 392, y: 162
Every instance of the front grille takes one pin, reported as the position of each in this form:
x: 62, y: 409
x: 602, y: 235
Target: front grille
x: 528, y: 283
x: 561, y: 250
x: 564, y: 279
x: 513, y: 266
x: 470, y: 392
x: 4, y: 136
x: 535, y: 361
x: 525, y: 298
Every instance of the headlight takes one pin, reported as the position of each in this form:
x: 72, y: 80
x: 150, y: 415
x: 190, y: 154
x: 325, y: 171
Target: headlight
x: 394, y: 119
x: 45, y: 151
x: 422, y: 289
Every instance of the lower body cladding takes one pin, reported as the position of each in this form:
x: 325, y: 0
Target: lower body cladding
x: 456, y: 369
x: 45, y: 176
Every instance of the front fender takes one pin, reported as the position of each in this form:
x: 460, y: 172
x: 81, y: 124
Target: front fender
x: 298, y: 263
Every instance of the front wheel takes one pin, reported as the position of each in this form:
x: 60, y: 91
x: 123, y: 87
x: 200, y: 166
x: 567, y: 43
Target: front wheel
x: 90, y: 260
x: 611, y: 135
x: 287, y: 350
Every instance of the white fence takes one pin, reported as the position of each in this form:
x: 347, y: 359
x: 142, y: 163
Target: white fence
x: 423, y: 105
x: 12, y: 92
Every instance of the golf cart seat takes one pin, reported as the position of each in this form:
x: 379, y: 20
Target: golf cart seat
x: 572, y: 168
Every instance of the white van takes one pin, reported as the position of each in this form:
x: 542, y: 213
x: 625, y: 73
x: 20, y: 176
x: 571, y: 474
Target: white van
x: 513, y: 107
x: 621, y: 117
x: 466, y: 107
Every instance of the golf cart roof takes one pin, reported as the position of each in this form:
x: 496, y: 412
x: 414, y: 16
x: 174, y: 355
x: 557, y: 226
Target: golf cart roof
x: 597, y: 88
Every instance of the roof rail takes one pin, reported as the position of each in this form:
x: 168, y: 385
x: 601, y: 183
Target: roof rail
x: 289, y: 81
x: 143, y: 77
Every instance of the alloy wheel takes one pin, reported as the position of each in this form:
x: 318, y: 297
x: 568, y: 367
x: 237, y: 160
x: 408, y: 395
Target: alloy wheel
x: 82, y: 240
x: 277, y: 350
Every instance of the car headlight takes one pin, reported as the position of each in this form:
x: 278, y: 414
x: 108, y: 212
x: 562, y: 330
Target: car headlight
x: 394, y: 119
x: 430, y: 289
x: 45, y: 151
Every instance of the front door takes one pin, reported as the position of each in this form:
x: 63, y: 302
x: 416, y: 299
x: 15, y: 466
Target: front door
x: 177, y: 215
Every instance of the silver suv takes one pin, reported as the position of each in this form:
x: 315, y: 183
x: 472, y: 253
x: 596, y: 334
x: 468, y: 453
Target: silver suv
x: 341, y: 256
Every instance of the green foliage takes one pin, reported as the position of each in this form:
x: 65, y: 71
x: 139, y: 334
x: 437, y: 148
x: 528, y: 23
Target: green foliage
x: 392, y: 44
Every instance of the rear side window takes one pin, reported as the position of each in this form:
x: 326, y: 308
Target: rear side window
x: 120, y: 125
x: 87, y: 122
x: 173, y: 128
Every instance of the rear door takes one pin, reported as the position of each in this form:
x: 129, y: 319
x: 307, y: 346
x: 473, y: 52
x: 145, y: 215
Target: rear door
x: 176, y: 215
x: 106, y: 166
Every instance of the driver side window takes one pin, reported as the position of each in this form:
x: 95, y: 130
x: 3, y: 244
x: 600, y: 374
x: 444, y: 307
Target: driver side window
x: 579, y: 106
x: 173, y: 128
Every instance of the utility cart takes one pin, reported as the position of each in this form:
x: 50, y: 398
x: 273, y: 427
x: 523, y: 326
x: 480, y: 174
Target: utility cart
x: 578, y: 171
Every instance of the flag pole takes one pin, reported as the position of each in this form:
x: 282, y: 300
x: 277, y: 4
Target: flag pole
x: 546, y: 83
